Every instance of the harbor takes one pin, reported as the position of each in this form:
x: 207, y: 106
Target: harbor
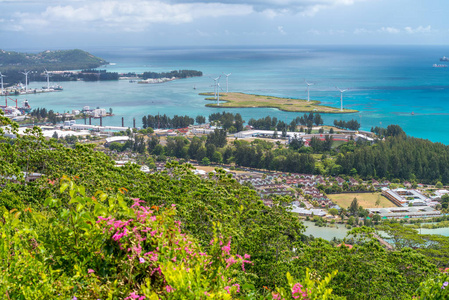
x: 20, y: 89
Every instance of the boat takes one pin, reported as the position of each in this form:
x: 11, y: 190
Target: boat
x: 26, y: 108
x: 444, y: 58
x: 439, y: 66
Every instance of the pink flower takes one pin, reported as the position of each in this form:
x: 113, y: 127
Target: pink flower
x: 133, y: 295
x: 238, y: 287
x: 227, y: 289
x: 169, y: 289
x: 227, y: 248
x: 297, y: 292
x: 141, y: 260
x: 276, y: 296
x: 90, y: 271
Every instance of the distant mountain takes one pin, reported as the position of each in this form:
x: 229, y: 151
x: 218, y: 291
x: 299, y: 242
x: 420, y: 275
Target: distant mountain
x: 50, y: 60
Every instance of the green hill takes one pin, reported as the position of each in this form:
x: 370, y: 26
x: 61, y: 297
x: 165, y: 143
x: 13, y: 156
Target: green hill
x: 87, y: 229
x: 50, y: 60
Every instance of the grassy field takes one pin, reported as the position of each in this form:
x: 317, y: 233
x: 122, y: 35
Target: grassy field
x: 367, y: 200
x: 235, y: 100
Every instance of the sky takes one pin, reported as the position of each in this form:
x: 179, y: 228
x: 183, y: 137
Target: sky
x: 58, y: 24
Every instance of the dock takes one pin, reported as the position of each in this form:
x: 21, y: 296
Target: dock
x: 383, y: 242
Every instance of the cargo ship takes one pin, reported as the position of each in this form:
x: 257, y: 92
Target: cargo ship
x: 24, y: 109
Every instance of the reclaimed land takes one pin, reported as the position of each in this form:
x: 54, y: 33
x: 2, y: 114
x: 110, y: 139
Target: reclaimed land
x: 367, y: 200
x: 239, y: 100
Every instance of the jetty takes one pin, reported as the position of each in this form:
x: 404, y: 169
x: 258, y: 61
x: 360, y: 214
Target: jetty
x: 383, y: 242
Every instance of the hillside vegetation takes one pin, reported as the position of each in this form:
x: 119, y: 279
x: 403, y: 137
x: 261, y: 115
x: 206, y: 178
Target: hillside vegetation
x: 89, y: 230
x: 51, y: 60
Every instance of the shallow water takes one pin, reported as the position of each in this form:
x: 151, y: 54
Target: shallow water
x: 387, y: 84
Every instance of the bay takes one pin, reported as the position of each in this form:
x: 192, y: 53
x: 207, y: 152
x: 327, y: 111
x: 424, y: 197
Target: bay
x: 388, y: 84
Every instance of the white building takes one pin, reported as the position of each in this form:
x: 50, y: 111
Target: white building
x: 308, y: 212
x: 98, y: 112
x: 405, y: 212
x: 266, y: 134
x: 118, y: 139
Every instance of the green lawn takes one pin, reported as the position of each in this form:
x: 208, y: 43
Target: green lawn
x: 367, y: 200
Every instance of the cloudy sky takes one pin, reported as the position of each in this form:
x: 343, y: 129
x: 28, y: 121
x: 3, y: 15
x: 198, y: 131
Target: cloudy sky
x: 45, y: 24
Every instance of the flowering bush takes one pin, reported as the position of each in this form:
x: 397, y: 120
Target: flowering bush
x: 312, y: 287
x: 99, y: 248
x: 161, y: 262
x: 434, y: 288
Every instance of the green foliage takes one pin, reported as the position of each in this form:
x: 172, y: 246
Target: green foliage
x: 51, y: 60
x: 333, y: 211
x: 59, y: 231
x: 436, y: 288
x: 176, y: 74
x: 399, y: 157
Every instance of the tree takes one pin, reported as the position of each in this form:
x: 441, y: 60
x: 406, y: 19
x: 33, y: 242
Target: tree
x: 333, y: 211
x: 217, y: 157
x: 354, y: 207
x: 439, y: 185
x: 445, y: 201
x: 353, y: 172
x: 377, y: 201
x: 394, y: 130
x: 217, y: 138
x: 351, y: 220
x: 152, y: 143
x: 205, y: 161
x: 55, y: 135
x: 376, y: 218
x: 317, y: 119
x: 200, y: 120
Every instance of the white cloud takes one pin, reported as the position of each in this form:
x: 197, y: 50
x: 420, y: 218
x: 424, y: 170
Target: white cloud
x: 391, y: 30
x: 281, y: 30
x: 305, y: 7
x: 137, y: 15
x: 326, y: 32
x: 362, y: 31
x: 134, y: 15
x: 419, y: 29
x: 314, y: 32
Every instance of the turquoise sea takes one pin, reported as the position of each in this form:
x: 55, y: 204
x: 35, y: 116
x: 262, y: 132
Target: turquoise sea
x: 388, y: 84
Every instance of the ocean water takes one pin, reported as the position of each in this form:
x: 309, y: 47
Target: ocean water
x: 387, y: 84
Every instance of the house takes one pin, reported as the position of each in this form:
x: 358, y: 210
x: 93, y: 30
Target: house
x: 340, y: 180
x: 352, y: 181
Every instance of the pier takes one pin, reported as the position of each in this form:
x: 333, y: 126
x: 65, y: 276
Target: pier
x: 383, y: 242
x: 98, y: 128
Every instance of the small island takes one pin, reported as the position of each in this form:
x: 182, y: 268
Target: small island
x: 242, y: 100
